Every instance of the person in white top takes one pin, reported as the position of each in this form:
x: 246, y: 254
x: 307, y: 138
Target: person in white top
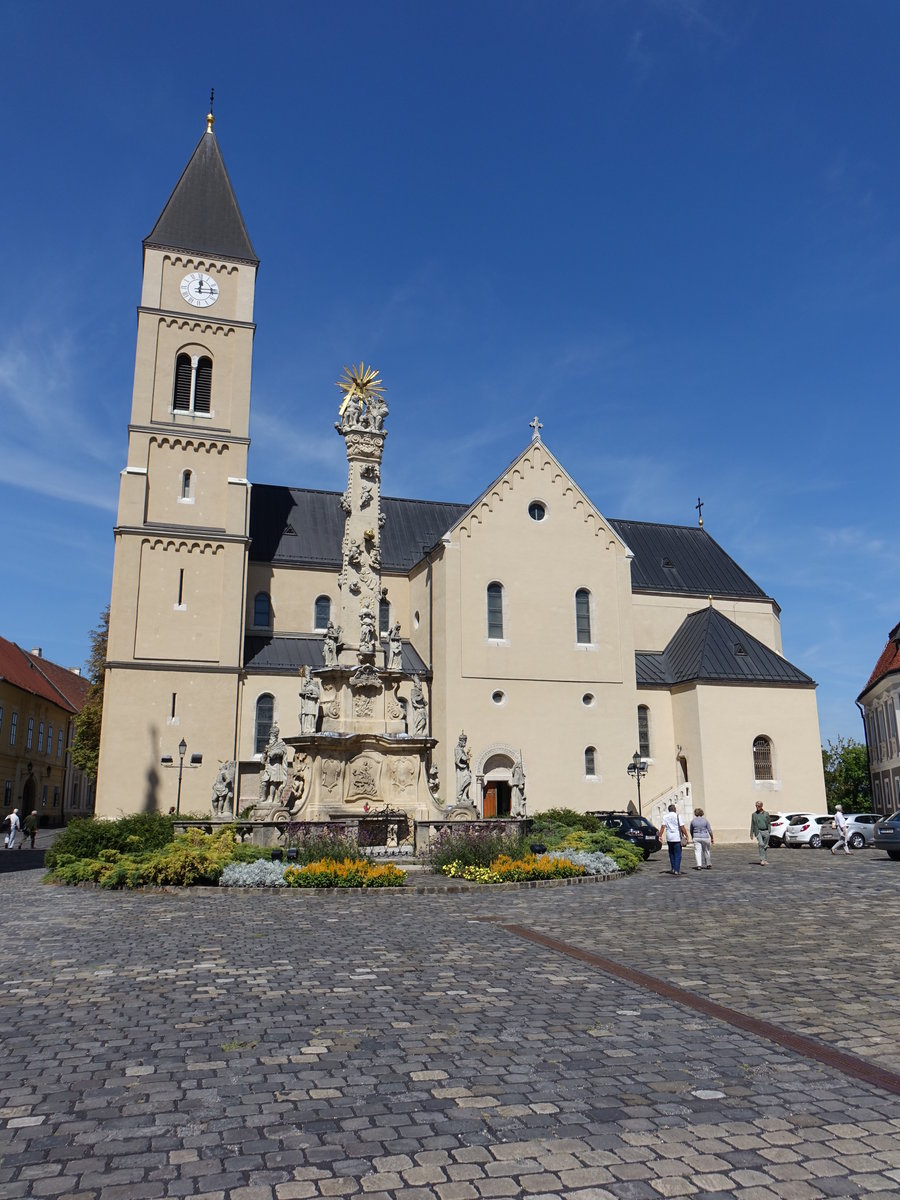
x: 14, y: 826
x: 671, y: 832
x: 843, y: 827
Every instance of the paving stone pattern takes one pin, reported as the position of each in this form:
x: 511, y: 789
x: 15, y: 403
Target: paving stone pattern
x: 284, y: 1046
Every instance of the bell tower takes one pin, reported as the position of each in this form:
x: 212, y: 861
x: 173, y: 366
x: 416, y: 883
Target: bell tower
x: 181, y: 537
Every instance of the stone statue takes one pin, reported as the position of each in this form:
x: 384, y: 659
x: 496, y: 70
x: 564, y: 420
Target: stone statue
x: 366, y: 631
x: 434, y: 781
x: 395, y: 649
x: 223, y: 790
x: 419, y: 706
x: 463, y: 771
x: 297, y: 785
x: 346, y: 506
x: 310, y: 692
x: 331, y: 644
x: 366, y: 495
x: 517, y: 780
x: 274, y: 772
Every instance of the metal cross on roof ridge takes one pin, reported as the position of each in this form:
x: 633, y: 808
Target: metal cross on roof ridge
x: 536, y: 426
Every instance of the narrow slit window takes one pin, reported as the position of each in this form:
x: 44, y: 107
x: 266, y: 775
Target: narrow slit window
x: 186, y: 478
x: 323, y: 612
x: 174, y: 703
x: 180, y: 587
x: 590, y: 761
x: 265, y: 717
x: 384, y: 617
x: 643, y: 731
x: 583, y: 617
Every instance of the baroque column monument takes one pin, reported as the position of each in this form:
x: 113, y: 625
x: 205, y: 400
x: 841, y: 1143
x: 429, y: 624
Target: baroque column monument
x: 363, y: 730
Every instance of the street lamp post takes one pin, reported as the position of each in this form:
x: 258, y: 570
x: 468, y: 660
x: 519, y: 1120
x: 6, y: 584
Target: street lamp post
x: 638, y: 769
x: 166, y: 761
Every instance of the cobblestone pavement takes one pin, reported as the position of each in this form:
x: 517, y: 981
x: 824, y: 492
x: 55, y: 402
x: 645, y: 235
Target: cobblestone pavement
x: 283, y: 1046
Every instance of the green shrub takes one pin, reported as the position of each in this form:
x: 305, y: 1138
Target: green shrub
x: 471, y: 845
x: 604, y: 841
x: 86, y: 838
x: 568, y: 816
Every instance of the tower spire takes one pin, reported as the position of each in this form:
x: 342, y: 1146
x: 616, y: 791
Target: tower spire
x: 210, y: 119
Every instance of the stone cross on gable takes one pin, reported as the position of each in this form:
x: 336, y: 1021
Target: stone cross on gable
x: 536, y: 427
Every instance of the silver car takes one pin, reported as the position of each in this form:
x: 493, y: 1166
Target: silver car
x: 860, y: 831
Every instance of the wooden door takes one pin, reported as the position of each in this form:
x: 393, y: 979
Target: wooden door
x: 489, y: 808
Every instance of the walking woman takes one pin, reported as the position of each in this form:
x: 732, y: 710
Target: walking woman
x: 671, y: 832
x: 702, y: 835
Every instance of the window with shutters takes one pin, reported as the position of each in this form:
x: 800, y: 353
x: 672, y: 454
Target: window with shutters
x: 762, y: 759
x: 495, y: 611
x: 193, y: 384
x: 583, y: 617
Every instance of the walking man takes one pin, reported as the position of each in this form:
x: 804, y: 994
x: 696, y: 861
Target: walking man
x: 843, y: 827
x: 760, y: 827
x: 29, y: 825
x: 671, y: 832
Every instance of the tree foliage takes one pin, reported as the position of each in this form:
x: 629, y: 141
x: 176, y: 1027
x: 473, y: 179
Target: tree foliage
x: 846, y: 764
x: 86, y: 743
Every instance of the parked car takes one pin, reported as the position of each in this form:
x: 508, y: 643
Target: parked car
x: 638, y: 830
x: 887, y: 836
x: 780, y: 823
x: 860, y: 831
x: 806, y: 830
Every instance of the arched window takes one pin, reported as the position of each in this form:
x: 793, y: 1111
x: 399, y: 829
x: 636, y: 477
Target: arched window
x: 590, y: 761
x: 583, y: 617
x: 643, y: 731
x: 193, y: 384
x: 762, y: 758
x: 265, y: 716
x: 186, y: 478
x: 384, y: 617
x: 262, y: 610
x: 323, y: 612
x: 495, y: 610
x: 183, y: 379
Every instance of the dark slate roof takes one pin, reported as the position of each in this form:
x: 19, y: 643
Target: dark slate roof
x: 286, y: 655
x: 708, y: 648
x: 302, y: 526
x: 682, y: 558
x: 202, y: 214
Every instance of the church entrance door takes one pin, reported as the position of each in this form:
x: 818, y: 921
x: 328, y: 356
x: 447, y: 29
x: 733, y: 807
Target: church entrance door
x: 497, y: 798
x: 28, y: 794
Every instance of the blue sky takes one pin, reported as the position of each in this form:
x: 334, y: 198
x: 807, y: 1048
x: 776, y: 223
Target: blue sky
x: 668, y: 227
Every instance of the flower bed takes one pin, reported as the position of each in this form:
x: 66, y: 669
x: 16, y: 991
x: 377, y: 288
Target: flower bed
x: 351, y: 873
x: 504, y: 869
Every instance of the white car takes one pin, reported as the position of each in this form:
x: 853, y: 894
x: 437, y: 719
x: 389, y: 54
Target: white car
x: 860, y: 831
x: 779, y: 826
x: 806, y: 829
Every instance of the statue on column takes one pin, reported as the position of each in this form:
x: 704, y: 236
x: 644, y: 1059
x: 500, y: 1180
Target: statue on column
x: 395, y: 649
x: 274, y: 771
x: 419, y: 706
x: 462, y: 761
x: 331, y: 644
x: 310, y: 693
x: 366, y: 631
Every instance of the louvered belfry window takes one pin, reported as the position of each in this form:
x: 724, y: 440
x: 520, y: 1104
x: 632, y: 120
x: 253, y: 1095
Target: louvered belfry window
x: 762, y: 758
x: 203, y: 386
x: 183, y: 383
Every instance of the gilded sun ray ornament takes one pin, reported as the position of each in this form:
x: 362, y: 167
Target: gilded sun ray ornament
x: 360, y: 384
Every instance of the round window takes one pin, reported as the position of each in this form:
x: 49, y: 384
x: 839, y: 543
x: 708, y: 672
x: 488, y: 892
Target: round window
x: 588, y: 700
x: 536, y: 510
x: 498, y: 697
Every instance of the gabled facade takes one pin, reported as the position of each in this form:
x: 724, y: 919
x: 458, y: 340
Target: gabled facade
x: 879, y: 703
x: 538, y: 626
x: 38, y: 702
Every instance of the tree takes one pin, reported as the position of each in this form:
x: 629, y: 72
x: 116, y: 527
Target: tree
x: 86, y: 743
x: 846, y: 764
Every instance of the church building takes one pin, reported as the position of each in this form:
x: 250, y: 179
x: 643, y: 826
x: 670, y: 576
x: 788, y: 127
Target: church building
x: 371, y: 632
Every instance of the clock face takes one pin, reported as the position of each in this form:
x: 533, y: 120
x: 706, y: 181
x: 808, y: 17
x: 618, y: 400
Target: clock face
x: 199, y: 289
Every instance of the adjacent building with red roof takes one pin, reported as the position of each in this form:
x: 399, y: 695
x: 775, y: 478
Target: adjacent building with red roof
x: 38, y: 703
x: 879, y: 702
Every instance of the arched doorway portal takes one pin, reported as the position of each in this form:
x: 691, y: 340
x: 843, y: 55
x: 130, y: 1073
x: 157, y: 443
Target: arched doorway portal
x: 28, y: 794
x: 496, y: 788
